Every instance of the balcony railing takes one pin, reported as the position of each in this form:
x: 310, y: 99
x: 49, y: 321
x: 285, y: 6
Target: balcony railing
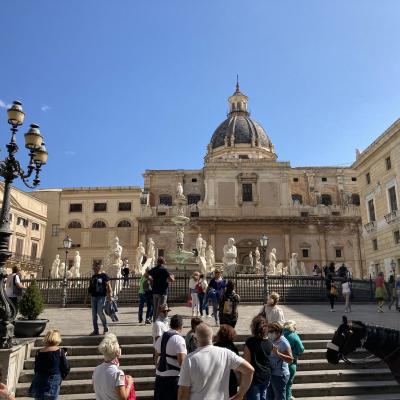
x: 26, y: 259
x: 393, y: 216
x: 370, y: 227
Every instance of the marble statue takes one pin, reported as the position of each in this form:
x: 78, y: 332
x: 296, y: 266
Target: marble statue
x: 279, y: 269
x: 229, y: 259
x: 199, y: 244
x: 74, y: 272
x: 372, y: 270
x: 151, y: 256
x: 180, y: 236
x: 140, y: 252
x: 303, y: 270
x: 210, y: 258
x: 113, y: 260
x: 179, y: 191
x: 293, y: 265
x: 272, y: 262
x: 202, y: 258
x: 232, y: 140
x: 62, y: 269
x: 258, y: 262
x: 251, y: 261
x: 55, y: 272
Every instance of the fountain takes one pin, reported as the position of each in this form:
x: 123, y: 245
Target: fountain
x: 180, y: 255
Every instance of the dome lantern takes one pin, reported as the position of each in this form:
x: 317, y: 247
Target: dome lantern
x: 238, y: 101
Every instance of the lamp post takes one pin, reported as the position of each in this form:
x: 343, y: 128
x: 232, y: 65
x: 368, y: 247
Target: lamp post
x: 67, y: 244
x: 10, y: 169
x: 264, y: 245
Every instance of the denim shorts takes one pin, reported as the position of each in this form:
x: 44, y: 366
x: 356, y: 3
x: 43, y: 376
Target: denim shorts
x: 45, y: 387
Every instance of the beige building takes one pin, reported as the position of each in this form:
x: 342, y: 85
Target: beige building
x: 92, y: 217
x: 28, y: 218
x: 243, y: 191
x: 378, y: 173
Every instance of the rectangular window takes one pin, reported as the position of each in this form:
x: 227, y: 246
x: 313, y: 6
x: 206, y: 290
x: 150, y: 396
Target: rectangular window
x: 371, y: 210
x: 193, y: 198
x: 100, y: 207
x: 324, y: 179
x: 388, y: 163
x: 368, y: 178
x: 160, y: 252
x: 194, y: 214
x: 305, y: 252
x: 336, y: 213
x: 55, y: 229
x: 35, y: 226
x: 392, y: 198
x: 19, y: 247
x: 22, y: 221
x: 75, y: 207
x: 396, y: 236
x: 375, y: 244
x: 125, y: 206
x: 161, y: 213
x: 295, y: 179
x: 353, y: 179
x: 338, y: 253
x: 243, y: 157
x: 247, y: 189
x: 10, y: 217
x: 194, y: 179
x: 304, y: 214
x: 34, y: 248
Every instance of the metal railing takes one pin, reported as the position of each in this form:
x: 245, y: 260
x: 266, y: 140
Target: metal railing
x: 25, y: 258
x: 392, y: 216
x: 250, y: 287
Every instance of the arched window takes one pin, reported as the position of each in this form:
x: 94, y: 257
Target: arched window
x: 98, y: 224
x: 297, y: 199
x: 326, y: 199
x: 74, y: 225
x: 124, y: 224
x: 166, y: 199
x: 355, y: 199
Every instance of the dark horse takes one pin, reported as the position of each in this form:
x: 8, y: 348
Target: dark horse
x: 384, y: 343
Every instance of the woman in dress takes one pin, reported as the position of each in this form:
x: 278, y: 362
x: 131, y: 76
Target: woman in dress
x: 380, y: 291
x: 346, y: 291
x: 193, y: 293
x: 224, y: 338
x: 257, y: 350
x: 110, y: 382
x: 271, y: 311
x: 51, y: 367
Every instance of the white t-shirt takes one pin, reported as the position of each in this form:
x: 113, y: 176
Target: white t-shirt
x: 106, y: 378
x: 159, y: 327
x: 10, y: 284
x: 175, y: 345
x: 206, y: 371
x: 346, y: 288
x: 273, y: 314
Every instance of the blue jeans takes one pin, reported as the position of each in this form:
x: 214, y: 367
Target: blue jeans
x: 148, y: 299
x: 98, y: 310
x: 45, y: 387
x: 257, y: 391
x: 203, y: 304
x: 277, y: 387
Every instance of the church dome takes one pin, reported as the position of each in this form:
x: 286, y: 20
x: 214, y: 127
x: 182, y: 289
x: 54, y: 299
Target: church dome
x: 239, y: 131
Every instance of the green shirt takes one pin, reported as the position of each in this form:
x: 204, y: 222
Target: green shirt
x: 142, y: 280
x: 295, y: 343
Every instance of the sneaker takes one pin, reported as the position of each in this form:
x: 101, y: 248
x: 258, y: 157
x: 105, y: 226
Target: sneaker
x: 141, y: 322
x: 209, y: 316
x: 105, y: 331
x: 148, y: 322
x: 94, y: 333
x: 116, y: 319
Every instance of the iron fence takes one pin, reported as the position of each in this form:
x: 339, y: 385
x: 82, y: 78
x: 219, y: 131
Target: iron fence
x: 250, y: 287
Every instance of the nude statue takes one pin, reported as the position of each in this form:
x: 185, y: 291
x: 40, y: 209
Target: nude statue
x: 210, y: 258
x: 293, y: 265
x: 75, y: 270
x: 258, y: 262
x: 179, y: 191
x: 251, y: 258
x: 230, y: 254
x: 272, y: 262
x: 199, y: 244
x: 55, y: 272
x: 151, y: 251
x: 140, y: 252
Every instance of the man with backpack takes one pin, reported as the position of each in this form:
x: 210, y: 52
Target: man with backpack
x: 14, y: 286
x: 171, y: 349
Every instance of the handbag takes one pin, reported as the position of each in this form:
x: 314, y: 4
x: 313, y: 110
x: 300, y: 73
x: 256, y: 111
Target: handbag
x: 132, y: 392
x: 334, y: 291
x: 189, y: 302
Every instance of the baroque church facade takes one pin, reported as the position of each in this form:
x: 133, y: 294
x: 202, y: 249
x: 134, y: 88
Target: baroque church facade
x: 243, y: 191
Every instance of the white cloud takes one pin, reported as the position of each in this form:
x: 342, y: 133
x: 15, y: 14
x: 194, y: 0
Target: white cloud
x: 45, y: 108
x: 69, y: 153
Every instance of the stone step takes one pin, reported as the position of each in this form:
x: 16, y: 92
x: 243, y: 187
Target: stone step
x: 93, y: 361
x: 140, y: 395
x: 85, y: 386
x: 323, y: 389
x: 81, y: 373
x: 322, y: 364
x: 343, y: 375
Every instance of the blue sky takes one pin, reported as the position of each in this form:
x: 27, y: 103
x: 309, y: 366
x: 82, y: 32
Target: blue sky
x: 123, y: 86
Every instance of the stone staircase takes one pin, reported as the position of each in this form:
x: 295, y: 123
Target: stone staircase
x: 315, y: 378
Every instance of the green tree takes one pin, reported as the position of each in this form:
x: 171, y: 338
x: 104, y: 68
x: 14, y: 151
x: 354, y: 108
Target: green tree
x: 31, y: 304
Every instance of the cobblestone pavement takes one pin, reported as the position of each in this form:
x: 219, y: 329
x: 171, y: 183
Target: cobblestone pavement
x: 309, y: 318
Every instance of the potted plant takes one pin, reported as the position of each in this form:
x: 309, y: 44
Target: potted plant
x: 30, y: 306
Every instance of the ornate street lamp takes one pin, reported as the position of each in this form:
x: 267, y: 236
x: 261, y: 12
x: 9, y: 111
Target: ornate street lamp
x: 264, y: 245
x: 10, y: 169
x: 67, y: 244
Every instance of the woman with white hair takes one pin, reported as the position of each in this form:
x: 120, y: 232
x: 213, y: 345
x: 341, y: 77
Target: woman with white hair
x: 296, y: 344
x: 109, y: 382
x: 271, y: 311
